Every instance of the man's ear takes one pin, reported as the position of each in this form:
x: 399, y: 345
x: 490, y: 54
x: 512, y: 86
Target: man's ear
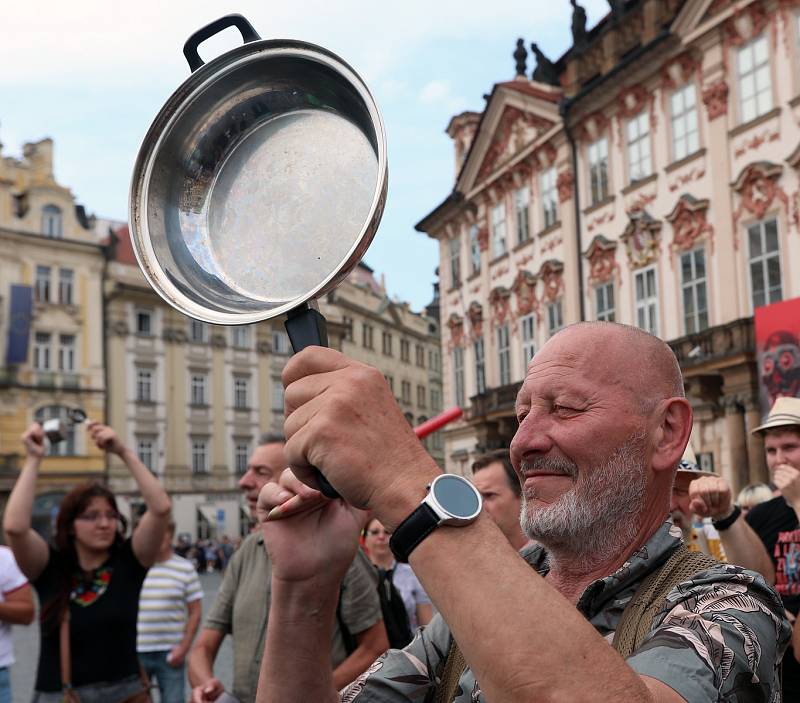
x: 672, y: 434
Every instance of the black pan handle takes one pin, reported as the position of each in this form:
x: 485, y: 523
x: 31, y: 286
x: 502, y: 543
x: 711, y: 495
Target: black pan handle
x: 306, y: 327
x: 190, y: 47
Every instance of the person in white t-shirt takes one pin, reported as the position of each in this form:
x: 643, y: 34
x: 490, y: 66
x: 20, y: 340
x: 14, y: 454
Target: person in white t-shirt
x: 16, y: 608
x: 169, y: 615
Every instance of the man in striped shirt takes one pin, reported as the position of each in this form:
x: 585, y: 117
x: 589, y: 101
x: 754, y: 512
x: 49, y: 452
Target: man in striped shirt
x: 169, y: 614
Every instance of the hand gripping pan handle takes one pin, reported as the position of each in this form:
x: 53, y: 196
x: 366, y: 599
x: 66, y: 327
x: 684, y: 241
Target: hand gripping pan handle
x: 306, y: 327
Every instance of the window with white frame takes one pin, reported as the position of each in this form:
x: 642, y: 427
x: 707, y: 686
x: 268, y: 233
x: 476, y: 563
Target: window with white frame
x: 646, y: 292
x: 604, y: 302
x: 240, y: 392
x: 66, y: 352
x: 436, y: 400
x: 419, y: 352
x: 42, y: 289
x: 277, y: 394
x: 504, y: 355
x: 522, y: 201
x: 455, y: 262
x: 755, y: 82
x: 198, y: 332
x: 144, y: 385
x: 422, y: 396
x: 474, y: 249
x: 386, y: 341
x: 597, y: 155
x: 144, y: 323
x: 241, y: 452
x: 405, y: 351
x: 693, y: 286
x: 280, y: 341
x: 555, y: 318
x: 458, y: 376
x: 146, y: 450
x: 199, y: 389
x: 683, y: 112
x: 549, y: 197
x: 638, y: 136
x: 480, y: 366
x: 527, y: 327
x: 765, y: 263
x: 241, y: 337
x: 199, y: 455
x: 498, y: 230
x: 41, y: 351
x: 65, y: 281
x: 52, y: 221
x: 67, y: 446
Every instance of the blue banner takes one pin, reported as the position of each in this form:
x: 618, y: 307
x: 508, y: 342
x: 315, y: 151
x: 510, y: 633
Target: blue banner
x: 19, y: 324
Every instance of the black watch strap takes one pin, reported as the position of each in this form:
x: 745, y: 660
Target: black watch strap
x: 726, y: 522
x: 409, y: 533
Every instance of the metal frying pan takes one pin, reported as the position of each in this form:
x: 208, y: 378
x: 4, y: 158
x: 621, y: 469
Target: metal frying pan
x: 260, y: 183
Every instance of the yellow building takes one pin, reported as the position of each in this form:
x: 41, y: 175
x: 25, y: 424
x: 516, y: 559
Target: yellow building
x: 51, y: 319
x: 648, y: 176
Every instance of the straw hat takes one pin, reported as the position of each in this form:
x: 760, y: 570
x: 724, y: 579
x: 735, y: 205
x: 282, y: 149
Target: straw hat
x: 785, y: 412
x: 689, y: 467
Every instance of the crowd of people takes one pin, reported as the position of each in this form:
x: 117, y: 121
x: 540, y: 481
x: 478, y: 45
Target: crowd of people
x: 596, y: 533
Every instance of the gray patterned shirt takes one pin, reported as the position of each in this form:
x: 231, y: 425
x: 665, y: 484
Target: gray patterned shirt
x: 720, y: 636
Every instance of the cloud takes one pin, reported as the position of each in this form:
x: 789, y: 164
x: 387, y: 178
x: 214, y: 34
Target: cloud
x: 439, y: 92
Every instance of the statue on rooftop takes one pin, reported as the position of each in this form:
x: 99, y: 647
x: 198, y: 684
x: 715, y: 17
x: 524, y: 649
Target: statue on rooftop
x: 545, y: 71
x: 521, y: 58
x: 578, y: 26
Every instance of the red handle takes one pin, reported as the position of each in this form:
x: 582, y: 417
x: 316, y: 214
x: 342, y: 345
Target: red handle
x: 436, y: 423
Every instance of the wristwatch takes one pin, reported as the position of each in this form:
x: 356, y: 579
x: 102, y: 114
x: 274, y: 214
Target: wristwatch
x: 451, y: 500
x: 724, y: 523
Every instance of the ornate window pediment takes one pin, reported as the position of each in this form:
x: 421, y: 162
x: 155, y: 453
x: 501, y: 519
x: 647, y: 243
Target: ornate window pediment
x: 500, y: 300
x: 475, y: 315
x: 689, y: 224
x: 601, y: 255
x: 552, y: 275
x: 642, y: 239
x: 456, y: 325
x: 524, y: 288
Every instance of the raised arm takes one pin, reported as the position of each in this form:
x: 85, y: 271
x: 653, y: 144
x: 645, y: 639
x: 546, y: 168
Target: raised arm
x: 710, y: 496
x: 150, y: 531
x: 30, y: 550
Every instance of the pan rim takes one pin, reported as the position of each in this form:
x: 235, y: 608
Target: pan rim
x: 170, y: 114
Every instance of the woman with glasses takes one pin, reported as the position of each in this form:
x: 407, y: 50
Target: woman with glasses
x: 88, y: 581
x: 418, y: 605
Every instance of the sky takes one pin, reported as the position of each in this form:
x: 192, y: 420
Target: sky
x: 92, y: 75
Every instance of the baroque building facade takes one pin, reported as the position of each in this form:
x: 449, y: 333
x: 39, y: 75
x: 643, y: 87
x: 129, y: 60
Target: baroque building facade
x: 50, y: 322
x: 648, y: 176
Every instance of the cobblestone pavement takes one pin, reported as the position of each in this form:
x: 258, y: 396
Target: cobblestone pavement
x: 26, y: 649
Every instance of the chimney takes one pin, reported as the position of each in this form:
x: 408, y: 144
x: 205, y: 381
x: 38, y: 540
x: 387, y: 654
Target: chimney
x: 40, y: 156
x: 462, y: 130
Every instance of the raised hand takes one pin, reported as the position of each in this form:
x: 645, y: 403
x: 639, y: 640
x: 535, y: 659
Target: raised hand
x: 33, y: 439
x: 710, y: 496
x: 105, y: 438
x: 787, y: 479
x: 311, y: 538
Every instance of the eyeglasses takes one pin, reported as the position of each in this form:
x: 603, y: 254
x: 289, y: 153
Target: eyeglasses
x: 375, y: 532
x: 96, y: 516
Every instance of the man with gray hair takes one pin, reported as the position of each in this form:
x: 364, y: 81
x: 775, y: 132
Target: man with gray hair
x: 242, y: 605
x: 610, y: 605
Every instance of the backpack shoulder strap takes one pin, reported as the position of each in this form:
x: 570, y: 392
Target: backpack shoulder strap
x: 637, y: 618
x: 453, y: 669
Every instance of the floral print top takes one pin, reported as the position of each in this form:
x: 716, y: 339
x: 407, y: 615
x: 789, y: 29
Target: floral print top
x: 719, y: 637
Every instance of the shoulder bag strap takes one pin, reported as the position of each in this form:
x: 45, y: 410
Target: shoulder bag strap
x: 454, y: 667
x: 637, y: 618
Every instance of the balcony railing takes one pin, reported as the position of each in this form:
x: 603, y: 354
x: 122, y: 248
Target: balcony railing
x: 493, y: 401
x: 716, y: 343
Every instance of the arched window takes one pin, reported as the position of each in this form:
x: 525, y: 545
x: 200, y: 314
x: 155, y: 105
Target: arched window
x: 51, y: 221
x: 67, y: 447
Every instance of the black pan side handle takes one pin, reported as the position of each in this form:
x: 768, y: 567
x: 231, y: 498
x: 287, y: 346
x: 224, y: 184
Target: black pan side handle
x: 190, y: 47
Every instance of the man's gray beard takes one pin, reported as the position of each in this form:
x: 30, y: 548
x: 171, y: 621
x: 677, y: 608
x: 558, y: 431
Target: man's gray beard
x: 599, y: 516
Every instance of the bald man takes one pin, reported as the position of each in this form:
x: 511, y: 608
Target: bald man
x: 603, y: 423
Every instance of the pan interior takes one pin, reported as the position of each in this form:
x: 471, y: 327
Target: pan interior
x: 287, y: 205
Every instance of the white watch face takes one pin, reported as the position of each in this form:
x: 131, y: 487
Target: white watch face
x: 457, y: 496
